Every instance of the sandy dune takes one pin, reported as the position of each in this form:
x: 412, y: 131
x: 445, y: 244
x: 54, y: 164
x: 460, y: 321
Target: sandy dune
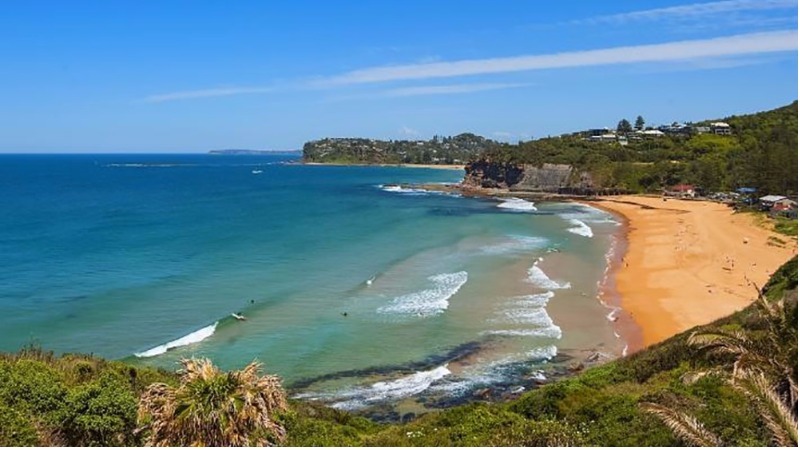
x: 690, y: 262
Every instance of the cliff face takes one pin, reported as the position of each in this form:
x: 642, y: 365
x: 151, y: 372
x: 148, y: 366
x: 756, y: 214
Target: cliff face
x: 525, y: 177
x: 487, y: 174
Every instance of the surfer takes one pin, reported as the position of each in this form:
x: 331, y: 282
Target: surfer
x: 344, y: 314
x: 238, y: 316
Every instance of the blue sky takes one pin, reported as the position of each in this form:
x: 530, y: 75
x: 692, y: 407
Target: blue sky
x: 189, y: 76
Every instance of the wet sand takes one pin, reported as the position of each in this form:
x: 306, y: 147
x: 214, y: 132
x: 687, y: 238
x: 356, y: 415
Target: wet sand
x: 689, y: 263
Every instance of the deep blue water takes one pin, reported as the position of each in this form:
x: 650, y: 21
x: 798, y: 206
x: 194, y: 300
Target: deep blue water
x: 121, y: 254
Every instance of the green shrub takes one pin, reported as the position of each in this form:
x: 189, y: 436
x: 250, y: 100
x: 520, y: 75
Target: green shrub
x: 16, y: 429
x: 101, y: 413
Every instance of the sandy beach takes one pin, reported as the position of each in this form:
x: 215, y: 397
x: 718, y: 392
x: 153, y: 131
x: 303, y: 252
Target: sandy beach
x: 689, y: 263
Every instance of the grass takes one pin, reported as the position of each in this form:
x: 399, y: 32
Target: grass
x: 786, y: 226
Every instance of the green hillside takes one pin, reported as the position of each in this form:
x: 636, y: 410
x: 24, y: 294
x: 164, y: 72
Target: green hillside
x: 81, y: 400
x: 760, y: 152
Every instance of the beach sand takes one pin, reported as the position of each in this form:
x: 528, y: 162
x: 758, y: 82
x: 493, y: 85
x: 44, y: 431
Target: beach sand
x: 689, y: 263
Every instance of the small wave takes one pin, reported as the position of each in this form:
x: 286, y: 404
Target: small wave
x: 191, y: 338
x: 361, y: 397
x: 528, y: 316
x: 533, y: 300
x: 515, y: 244
x: 401, y: 190
x: 517, y: 204
x: 397, y: 189
x: 496, y: 372
x: 550, y: 332
x: 543, y: 353
x: 580, y: 228
x: 540, y: 279
x: 429, y: 302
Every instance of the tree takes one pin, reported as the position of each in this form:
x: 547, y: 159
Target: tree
x: 639, y: 122
x: 624, y: 126
x: 211, y: 408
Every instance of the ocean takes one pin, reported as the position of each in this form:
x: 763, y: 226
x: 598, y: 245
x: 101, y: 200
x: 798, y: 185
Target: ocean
x: 357, y: 292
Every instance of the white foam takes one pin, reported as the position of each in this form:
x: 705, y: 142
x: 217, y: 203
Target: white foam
x: 495, y: 372
x: 517, y: 204
x: 533, y: 300
x: 540, y: 279
x: 515, y: 243
x: 360, y: 397
x: 191, y: 338
x: 580, y: 228
x: 397, y: 189
x: 528, y: 316
x: 543, y: 353
x: 429, y: 302
x: 402, y: 190
x: 550, y: 332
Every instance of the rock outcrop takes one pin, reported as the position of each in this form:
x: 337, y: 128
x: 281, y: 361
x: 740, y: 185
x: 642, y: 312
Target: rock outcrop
x: 551, y: 178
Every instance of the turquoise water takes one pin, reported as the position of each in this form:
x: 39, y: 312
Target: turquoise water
x: 124, y: 256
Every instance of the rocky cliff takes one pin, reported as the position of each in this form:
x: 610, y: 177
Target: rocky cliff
x: 526, y: 177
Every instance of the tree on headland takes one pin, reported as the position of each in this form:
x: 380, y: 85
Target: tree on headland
x: 212, y: 408
x: 624, y: 126
x: 639, y: 123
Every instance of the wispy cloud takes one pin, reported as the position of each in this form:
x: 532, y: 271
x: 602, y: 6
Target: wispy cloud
x: 742, y: 44
x: 203, y: 93
x: 408, y: 132
x: 448, y: 89
x: 691, y: 11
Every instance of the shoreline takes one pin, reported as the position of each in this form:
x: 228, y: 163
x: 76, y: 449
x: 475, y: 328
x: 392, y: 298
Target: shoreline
x: 624, y: 325
x: 682, y: 263
x: 405, y: 165
x: 680, y: 267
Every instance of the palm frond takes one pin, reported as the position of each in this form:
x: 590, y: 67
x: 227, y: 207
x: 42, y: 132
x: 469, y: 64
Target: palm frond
x: 686, y: 427
x: 773, y: 411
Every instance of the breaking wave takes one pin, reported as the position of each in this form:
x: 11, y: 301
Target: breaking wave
x: 580, y: 228
x: 361, y: 397
x: 540, y: 279
x: 517, y: 204
x: 191, y: 338
x: 553, y: 332
x: 397, y: 189
x: 429, y: 302
x: 515, y: 244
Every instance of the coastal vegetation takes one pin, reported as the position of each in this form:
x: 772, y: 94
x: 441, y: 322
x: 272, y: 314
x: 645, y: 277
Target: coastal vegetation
x: 760, y: 152
x: 439, y: 150
x: 701, y: 374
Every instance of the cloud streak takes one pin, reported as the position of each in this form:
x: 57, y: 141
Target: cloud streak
x: 448, y: 89
x: 691, y: 11
x: 742, y: 44
x: 205, y: 93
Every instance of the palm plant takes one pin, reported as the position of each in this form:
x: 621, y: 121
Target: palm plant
x: 214, y: 408
x: 764, y: 369
x: 772, y: 351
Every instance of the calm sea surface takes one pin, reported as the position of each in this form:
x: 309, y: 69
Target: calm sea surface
x: 145, y: 257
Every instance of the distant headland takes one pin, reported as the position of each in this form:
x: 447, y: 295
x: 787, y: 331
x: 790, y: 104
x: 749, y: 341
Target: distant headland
x: 244, y: 151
